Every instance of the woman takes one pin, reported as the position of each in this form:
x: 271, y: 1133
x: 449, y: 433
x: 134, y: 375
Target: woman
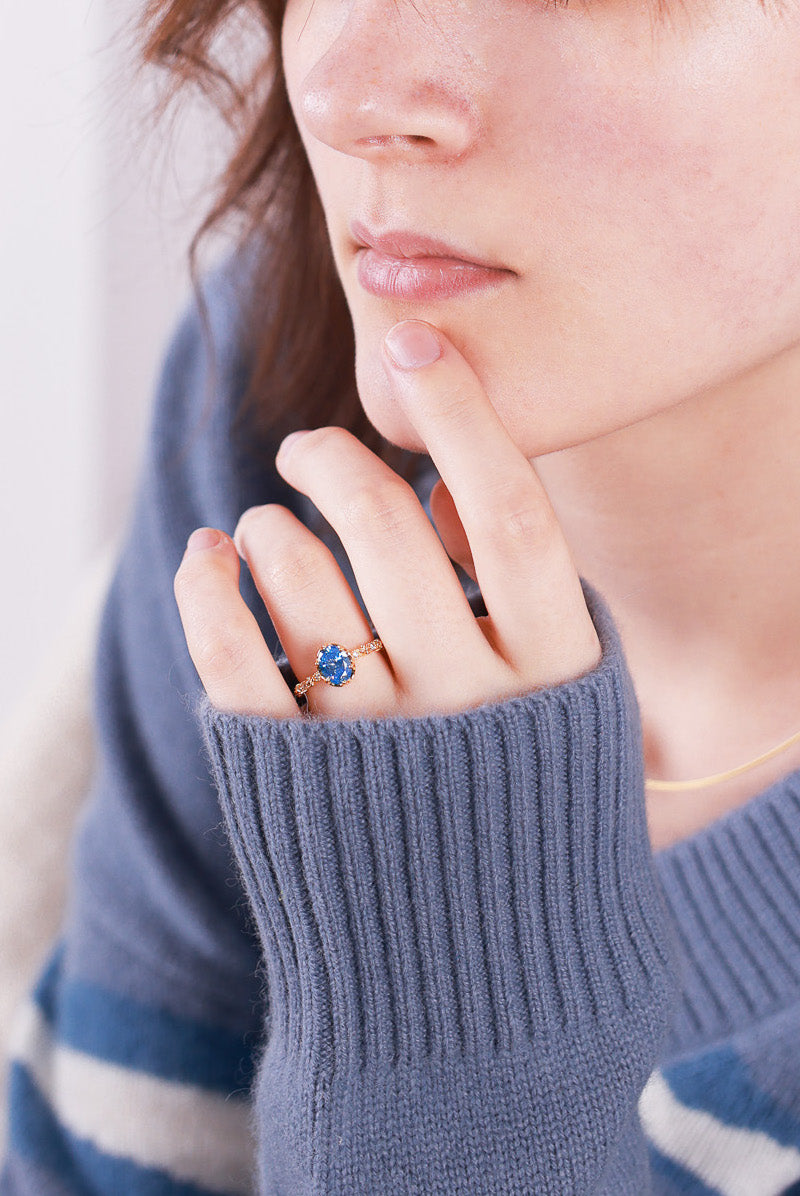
x: 451, y: 940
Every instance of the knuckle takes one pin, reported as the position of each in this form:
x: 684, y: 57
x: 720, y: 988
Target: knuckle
x: 284, y: 562
x: 219, y: 655
x: 386, y: 510
x: 290, y: 572
x: 514, y: 515
x: 527, y: 525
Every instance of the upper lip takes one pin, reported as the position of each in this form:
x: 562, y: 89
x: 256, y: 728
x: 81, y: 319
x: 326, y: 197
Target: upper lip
x: 402, y: 243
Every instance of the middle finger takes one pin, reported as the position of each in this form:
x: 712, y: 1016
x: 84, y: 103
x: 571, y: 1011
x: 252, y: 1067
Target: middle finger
x: 405, y: 577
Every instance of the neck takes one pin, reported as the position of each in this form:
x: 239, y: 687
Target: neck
x: 688, y: 522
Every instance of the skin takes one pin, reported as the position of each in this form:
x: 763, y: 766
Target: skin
x: 637, y: 373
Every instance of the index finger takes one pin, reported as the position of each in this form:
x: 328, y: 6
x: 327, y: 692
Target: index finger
x: 538, y: 616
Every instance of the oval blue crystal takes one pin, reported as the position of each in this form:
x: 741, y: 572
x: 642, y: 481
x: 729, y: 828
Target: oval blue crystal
x: 335, y: 664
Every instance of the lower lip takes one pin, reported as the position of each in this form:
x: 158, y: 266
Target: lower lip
x: 422, y: 277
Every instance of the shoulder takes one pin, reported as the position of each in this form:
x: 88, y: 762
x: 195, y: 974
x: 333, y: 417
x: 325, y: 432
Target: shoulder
x: 203, y: 365
x: 199, y: 464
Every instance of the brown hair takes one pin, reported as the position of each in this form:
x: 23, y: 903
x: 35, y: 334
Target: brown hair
x: 298, y: 338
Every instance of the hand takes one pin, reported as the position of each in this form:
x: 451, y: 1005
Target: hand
x: 493, y: 516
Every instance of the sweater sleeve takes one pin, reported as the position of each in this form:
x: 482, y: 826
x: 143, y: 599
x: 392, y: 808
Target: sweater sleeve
x: 132, y: 1058
x: 471, y: 967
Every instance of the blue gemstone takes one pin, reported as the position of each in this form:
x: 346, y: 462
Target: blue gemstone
x: 335, y: 664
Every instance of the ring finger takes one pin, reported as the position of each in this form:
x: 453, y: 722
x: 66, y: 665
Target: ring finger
x: 311, y: 604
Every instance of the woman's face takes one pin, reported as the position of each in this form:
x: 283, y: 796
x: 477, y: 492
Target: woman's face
x: 638, y: 173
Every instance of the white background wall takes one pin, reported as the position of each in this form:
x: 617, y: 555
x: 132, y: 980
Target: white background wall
x: 96, y: 212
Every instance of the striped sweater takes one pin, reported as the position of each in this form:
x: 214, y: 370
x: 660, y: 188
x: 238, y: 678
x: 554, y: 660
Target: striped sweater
x: 431, y: 955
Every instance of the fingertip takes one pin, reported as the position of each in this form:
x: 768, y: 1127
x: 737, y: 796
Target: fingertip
x: 412, y: 344
x: 208, y: 540
x: 201, y: 539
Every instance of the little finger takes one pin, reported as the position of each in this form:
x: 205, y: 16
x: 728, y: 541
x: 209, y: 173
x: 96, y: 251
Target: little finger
x: 224, y: 640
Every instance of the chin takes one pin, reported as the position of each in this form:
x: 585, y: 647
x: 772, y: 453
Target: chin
x: 382, y: 408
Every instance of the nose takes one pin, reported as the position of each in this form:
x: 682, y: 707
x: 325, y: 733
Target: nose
x: 387, y: 87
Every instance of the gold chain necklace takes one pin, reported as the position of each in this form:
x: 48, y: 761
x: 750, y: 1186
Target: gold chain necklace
x: 723, y: 776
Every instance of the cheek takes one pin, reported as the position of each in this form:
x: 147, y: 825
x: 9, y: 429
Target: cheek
x: 676, y: 190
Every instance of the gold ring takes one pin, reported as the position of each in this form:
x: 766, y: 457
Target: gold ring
x: 336, y: 665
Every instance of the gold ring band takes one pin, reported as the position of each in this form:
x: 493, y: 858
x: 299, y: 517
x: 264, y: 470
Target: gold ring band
x: 336, y: 665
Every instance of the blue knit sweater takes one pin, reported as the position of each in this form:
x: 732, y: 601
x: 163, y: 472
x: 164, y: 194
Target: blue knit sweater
x: 422, y: 956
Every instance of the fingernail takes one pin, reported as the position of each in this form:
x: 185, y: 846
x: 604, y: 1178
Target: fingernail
x: 412, y: 344
x: 202, y: 537
x: 289, y: 440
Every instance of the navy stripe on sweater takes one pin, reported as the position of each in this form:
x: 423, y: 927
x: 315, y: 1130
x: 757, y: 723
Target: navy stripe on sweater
x: 670, y: 1178
x: 120, y: 1030
x: 720, y: 1082
x: 37, y: 1134
x: 94, y: 1103
x: 731, y: 1159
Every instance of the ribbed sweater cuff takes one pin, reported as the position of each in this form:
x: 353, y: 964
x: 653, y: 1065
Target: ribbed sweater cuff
x: 455, y: 883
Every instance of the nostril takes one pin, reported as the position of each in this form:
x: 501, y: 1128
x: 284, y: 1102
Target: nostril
x: 399, y: 139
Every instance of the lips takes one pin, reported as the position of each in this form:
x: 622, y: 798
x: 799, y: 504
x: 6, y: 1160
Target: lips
x: 399, y: 243
x: 408, y: 265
